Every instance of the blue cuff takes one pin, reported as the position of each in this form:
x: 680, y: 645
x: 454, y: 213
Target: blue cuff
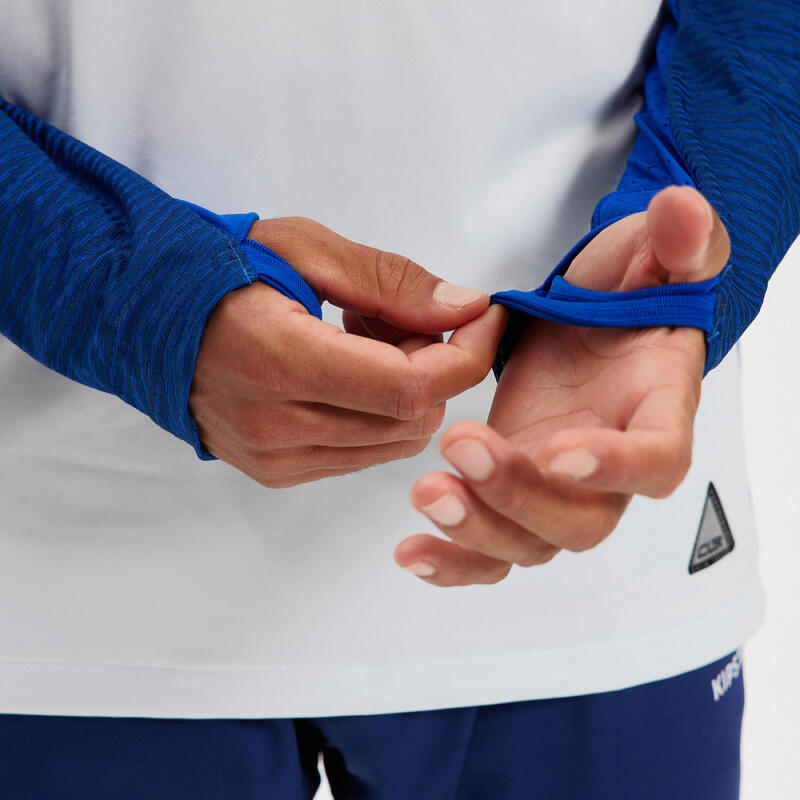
x: 690, y: 304
x: 557, y: 300
x: 267, y: 265
x: 720, y: 113
x: 104, y: 278
x: 261, y: 263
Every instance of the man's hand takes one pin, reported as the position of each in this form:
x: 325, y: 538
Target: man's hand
x: 287, y: 398
x: 583, y: 418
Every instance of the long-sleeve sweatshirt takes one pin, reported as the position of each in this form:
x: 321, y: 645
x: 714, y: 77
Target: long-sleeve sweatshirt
x: 108, y: 280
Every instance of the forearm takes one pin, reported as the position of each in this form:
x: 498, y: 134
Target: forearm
x: 720, y: 113
x: 103, y: 277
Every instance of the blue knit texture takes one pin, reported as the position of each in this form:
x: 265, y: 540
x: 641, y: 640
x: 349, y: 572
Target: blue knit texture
x: 734, y: 106
x: 721, y: 112
x: 106, y: 279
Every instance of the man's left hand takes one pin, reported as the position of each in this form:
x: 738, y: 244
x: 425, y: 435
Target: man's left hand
x: 583, y: 418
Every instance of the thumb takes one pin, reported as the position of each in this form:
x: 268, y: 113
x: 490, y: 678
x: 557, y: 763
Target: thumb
x: 372, y: 282
x: 687, y: 237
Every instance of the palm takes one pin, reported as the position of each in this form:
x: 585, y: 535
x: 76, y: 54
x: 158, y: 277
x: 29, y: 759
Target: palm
x: 562, y: 377
x: 582, y: 419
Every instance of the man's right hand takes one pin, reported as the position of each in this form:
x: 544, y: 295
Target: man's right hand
x: 287, y: 398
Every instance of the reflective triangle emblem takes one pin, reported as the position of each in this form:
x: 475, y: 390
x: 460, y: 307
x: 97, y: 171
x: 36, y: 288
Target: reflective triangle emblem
x: 714, y: 539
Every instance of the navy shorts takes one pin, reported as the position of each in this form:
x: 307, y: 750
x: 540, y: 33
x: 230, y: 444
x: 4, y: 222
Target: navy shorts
x: 671, y: 739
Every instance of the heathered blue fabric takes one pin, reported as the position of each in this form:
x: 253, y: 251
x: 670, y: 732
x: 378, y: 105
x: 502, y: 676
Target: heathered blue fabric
x: 734, y: 105
x: 106, y: 279
x: 721, y: 113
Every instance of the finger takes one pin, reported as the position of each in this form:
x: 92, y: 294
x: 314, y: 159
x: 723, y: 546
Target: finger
x: 391, y: 287
x: 679, y: 239
x: 279, y: 471
x: 456, y: 511
x: 281, y: 464
x: 330, y: 367
x: 303, y: 477
x: 687, y: 236
x: 372, y: 328
x: 560, y: 512
x: 352, y: 323
x: 373, y: 282
x: 447, y: 564
x: 652, y: 463
x: 340, y: 369
x: 384, y: 332
x: 285, y: 426
x: 467, y: 356
x: 331, y: 426
x: 651, y: 457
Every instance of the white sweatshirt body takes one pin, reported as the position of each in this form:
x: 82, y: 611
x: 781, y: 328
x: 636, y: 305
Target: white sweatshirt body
x: 473, y: 137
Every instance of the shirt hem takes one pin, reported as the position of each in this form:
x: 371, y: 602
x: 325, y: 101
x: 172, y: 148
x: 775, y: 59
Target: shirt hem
x: 119, y: 690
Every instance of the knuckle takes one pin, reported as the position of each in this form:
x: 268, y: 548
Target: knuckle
x: 287, y: 481
x: 282, y: 229
x: 302, y: 222
x: 481, y: 370
x: 413, y: 447
x: 528, y: 560
x: 498, y: 574
x: 276, y: 483
x: 606, y: 525
x: 478, y: 367
x: 582, y: 543
x: 396, y: 275
x: 540, y: 554
x: 396, y: 451
x: 662, y: 490
x: 251, y: 430
x: 575, y: 543
x: 683, y: 463
x: 414, y: 396
x: 513, y: 501
x: 597, y: 526
x: 431, y: 422
x: 677, y: 462
x: 283, y: 467
x: 257, y: 428
x: 267, y: 465
x: 554, y: 551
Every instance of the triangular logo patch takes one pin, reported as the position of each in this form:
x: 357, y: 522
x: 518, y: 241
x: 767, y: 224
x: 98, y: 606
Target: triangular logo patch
x: 714, y: 538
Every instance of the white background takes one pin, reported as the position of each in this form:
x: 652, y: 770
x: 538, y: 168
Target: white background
x: 771, y: 391
x: 771, y: 386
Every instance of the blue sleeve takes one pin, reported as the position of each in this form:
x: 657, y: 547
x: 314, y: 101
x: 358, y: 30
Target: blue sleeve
x: 721, y: 113
x: 106, y: 279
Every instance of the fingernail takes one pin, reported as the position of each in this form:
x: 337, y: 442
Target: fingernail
x: 447, y: 510
x: 578, y: 463
x: 454, y: 296
x: 471, y: 458
x: 421, y: 569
